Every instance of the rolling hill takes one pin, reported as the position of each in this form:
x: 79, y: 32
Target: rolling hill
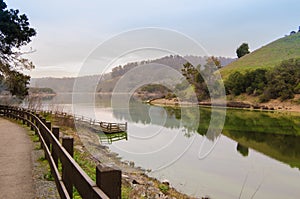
x: 62, y: 85
x: 267, y: 56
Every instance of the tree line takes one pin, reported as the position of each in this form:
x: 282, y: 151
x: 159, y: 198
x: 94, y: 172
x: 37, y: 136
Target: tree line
x: 281, y: 82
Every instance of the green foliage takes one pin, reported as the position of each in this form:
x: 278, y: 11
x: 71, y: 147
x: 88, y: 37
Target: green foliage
x: 242, y: 50
x: 297, y: 89
x: 164, y: 188
x: 252, y: 82
x: 16, y: 83
x: 76, y: 194
x: 48, y: 176
x: 35, y: 138
x: 85, y: 163
x: 255, y: 82
x: 281, y: 82
x: 125, y: 192
x: 195, y: 79
x: 235, y: 84
x: 14, y: 33
x: 202, y: 79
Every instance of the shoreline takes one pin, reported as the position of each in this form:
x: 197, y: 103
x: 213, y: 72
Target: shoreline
x: 134, y: 176
x: 273, y: 105
x: 136, y: 180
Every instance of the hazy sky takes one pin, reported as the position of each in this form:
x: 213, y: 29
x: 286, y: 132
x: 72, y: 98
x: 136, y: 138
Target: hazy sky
x: 69, y: 30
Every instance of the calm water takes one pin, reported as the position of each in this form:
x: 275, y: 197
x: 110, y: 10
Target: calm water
x: 256, y: 156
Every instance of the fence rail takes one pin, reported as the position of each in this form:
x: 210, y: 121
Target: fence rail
x: 105, y: 127
x: 108, y: 180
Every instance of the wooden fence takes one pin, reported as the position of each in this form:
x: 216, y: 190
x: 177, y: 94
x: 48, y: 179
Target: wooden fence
x: 105, y: 127
x: 108, y: 180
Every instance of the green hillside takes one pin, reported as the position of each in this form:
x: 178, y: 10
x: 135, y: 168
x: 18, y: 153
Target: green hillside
x: 267, y: 56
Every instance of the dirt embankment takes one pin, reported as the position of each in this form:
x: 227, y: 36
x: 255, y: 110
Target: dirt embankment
x: 271, y: 105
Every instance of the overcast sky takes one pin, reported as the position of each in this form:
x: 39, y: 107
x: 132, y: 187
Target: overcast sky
x: 69, y: 30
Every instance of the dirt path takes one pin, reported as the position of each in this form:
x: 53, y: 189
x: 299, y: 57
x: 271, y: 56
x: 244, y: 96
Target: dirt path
x: 15, y: 162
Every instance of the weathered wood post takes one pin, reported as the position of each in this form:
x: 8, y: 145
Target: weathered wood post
x: 109, y: 181
x: 48, y: 125
x: 43, y: 129
x: 37, y: 123
x: 41, y: 126
x: 28, y: 118
x: 43, y: 120
x: 32, y: 120
x: 68, y: 144
x: 55, y: 131
x: 23, y: 117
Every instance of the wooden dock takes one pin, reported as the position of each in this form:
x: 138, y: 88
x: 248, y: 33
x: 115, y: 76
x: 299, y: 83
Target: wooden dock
x: 105, y: 127
x: 108, y: 127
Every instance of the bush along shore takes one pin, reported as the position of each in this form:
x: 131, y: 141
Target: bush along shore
x: 88, y: 152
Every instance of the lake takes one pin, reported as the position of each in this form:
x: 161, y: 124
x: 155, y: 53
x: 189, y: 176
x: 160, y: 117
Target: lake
x: 257, y: 154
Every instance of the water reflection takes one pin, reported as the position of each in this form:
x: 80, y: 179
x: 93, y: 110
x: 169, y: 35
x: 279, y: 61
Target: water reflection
x: 273, y: 134
x: 236, y: 120
x: 249, y: 139
x: 284, y: 148
x: 112, y: 137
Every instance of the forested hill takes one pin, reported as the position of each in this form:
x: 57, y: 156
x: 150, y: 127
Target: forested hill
x: 60, y: 85
x: 174, y: 61
x: 266, y: 57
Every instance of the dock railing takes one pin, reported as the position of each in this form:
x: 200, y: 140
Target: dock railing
x: 109, y: 127
x: 108, y: 180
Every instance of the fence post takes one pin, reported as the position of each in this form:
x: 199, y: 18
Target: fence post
x: 37, y: 123
x: 55, y: 131
x: 43, y: 120
x: 109, y: 181
x: 32, y: 120
x: 23, y: 117
x: 27, y: 119
x: 67, y: 143
x: 48, y: 125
